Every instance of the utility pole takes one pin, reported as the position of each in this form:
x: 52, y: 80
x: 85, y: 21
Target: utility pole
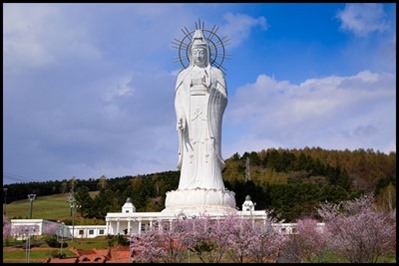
x: 247, y: 171
x: 31, y: 198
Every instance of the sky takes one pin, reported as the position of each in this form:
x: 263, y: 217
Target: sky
x: 88, y: 89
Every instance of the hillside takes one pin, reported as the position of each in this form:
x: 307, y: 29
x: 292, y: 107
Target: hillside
x: 291, y: 182
x: 52, y: 207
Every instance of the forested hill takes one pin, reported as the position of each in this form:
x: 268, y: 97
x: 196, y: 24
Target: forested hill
x: 289, y: 181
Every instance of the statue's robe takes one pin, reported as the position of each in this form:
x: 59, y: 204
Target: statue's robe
x: 200, y: 109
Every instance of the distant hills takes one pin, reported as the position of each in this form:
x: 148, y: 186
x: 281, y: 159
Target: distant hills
x: 289, y: 181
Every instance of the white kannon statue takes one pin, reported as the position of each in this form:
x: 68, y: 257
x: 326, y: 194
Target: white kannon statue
x: 200, y: 101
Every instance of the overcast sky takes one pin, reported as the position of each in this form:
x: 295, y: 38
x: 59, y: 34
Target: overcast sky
x: 88, y: 89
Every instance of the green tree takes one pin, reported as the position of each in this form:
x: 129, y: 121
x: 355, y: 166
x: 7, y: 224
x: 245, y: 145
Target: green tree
x: 86, y: 202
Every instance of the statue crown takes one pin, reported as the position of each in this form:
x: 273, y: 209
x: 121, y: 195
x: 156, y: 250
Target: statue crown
x: 199, y: 39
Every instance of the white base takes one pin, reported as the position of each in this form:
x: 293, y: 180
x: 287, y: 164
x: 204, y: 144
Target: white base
x: 200, y: 201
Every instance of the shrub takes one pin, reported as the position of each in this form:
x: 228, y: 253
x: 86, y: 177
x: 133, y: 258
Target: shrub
x: 53, y: 242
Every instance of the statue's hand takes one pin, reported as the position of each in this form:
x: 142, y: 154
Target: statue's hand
x: 180, y: 124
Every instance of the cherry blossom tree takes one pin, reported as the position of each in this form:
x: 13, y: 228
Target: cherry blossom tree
x: 24, y: 230
x: 6, y: 228
x: 359, y: 232
x: 147, y: 247
x: 267, y: 243
x: 211, y: 240
x: 174, y: 241
x: 51, y: 229
x: 239, y: 235
x: 309, y: 243
x: 205, y: 239
x: 164, y: 243
x: 248, y: 240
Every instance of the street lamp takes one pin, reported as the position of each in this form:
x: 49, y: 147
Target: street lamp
x: 62, y: 238
x: 27, y: 244
x: 27, y: 233
x: 71, y: 200
x: 31, y: 198
x: 5, y: 199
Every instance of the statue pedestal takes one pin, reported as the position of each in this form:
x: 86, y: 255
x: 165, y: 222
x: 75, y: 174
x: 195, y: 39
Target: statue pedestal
x: 197, y: 201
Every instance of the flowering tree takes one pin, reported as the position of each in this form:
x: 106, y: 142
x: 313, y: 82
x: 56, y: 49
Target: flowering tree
x: 308, y: 243
x: 6, y: 228
x: 359, y: 232
x: 267, y: 244
x: 239, y: 235
x: 24, y: 230
x: 209, y: 239
x: 146, y: 247
x: 51, y: 229
x: 162, y: 243
x: 248, y: 240
x: 174, y: 240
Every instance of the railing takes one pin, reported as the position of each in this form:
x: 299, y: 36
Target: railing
x: 290, y: 228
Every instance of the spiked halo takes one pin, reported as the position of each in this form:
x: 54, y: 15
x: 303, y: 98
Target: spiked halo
x: 215, y: 43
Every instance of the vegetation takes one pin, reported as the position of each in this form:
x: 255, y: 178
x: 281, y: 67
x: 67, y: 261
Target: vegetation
x: 358, y: 231
x: 212, y: 241
x: 289, y: 182
x: 19, y: 255
x: 53, y: 207
x: 354, y: 231
x: 358, y: 225
x: 44, y: 251
x: 52, y: 241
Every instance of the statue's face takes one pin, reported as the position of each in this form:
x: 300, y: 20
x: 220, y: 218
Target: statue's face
x: 199, y: 56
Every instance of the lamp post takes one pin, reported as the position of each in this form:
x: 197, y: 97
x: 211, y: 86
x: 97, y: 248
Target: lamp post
x: 5, y: 199
x: 31, y: 198
x: 27, y: 232
x: 62, y: 238
x: 71, y: 200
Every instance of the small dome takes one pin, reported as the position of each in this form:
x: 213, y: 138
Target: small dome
x: 248, y: 198
x: 128, y: 200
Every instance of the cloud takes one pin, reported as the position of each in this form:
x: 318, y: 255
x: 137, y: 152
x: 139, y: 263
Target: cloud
x: 362, y: 19
x: 239, y: 26
x: 114, y: 125
x: 332, y: 112
x: 88, y: 91
x: 42, y: 35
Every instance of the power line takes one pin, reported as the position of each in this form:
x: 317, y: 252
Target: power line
x: 9, y: 178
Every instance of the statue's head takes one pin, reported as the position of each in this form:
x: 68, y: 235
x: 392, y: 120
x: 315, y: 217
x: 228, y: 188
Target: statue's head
x: 199, y: 49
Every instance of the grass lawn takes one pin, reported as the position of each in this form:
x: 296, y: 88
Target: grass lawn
x: 98, y: 243
x: 52, y: 207
x: 40, y: 254
x: 36, y: 255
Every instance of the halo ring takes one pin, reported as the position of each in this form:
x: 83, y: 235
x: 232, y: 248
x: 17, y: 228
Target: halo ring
x: 216, y: 48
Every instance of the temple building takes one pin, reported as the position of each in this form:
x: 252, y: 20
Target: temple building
x: 131, y: 222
